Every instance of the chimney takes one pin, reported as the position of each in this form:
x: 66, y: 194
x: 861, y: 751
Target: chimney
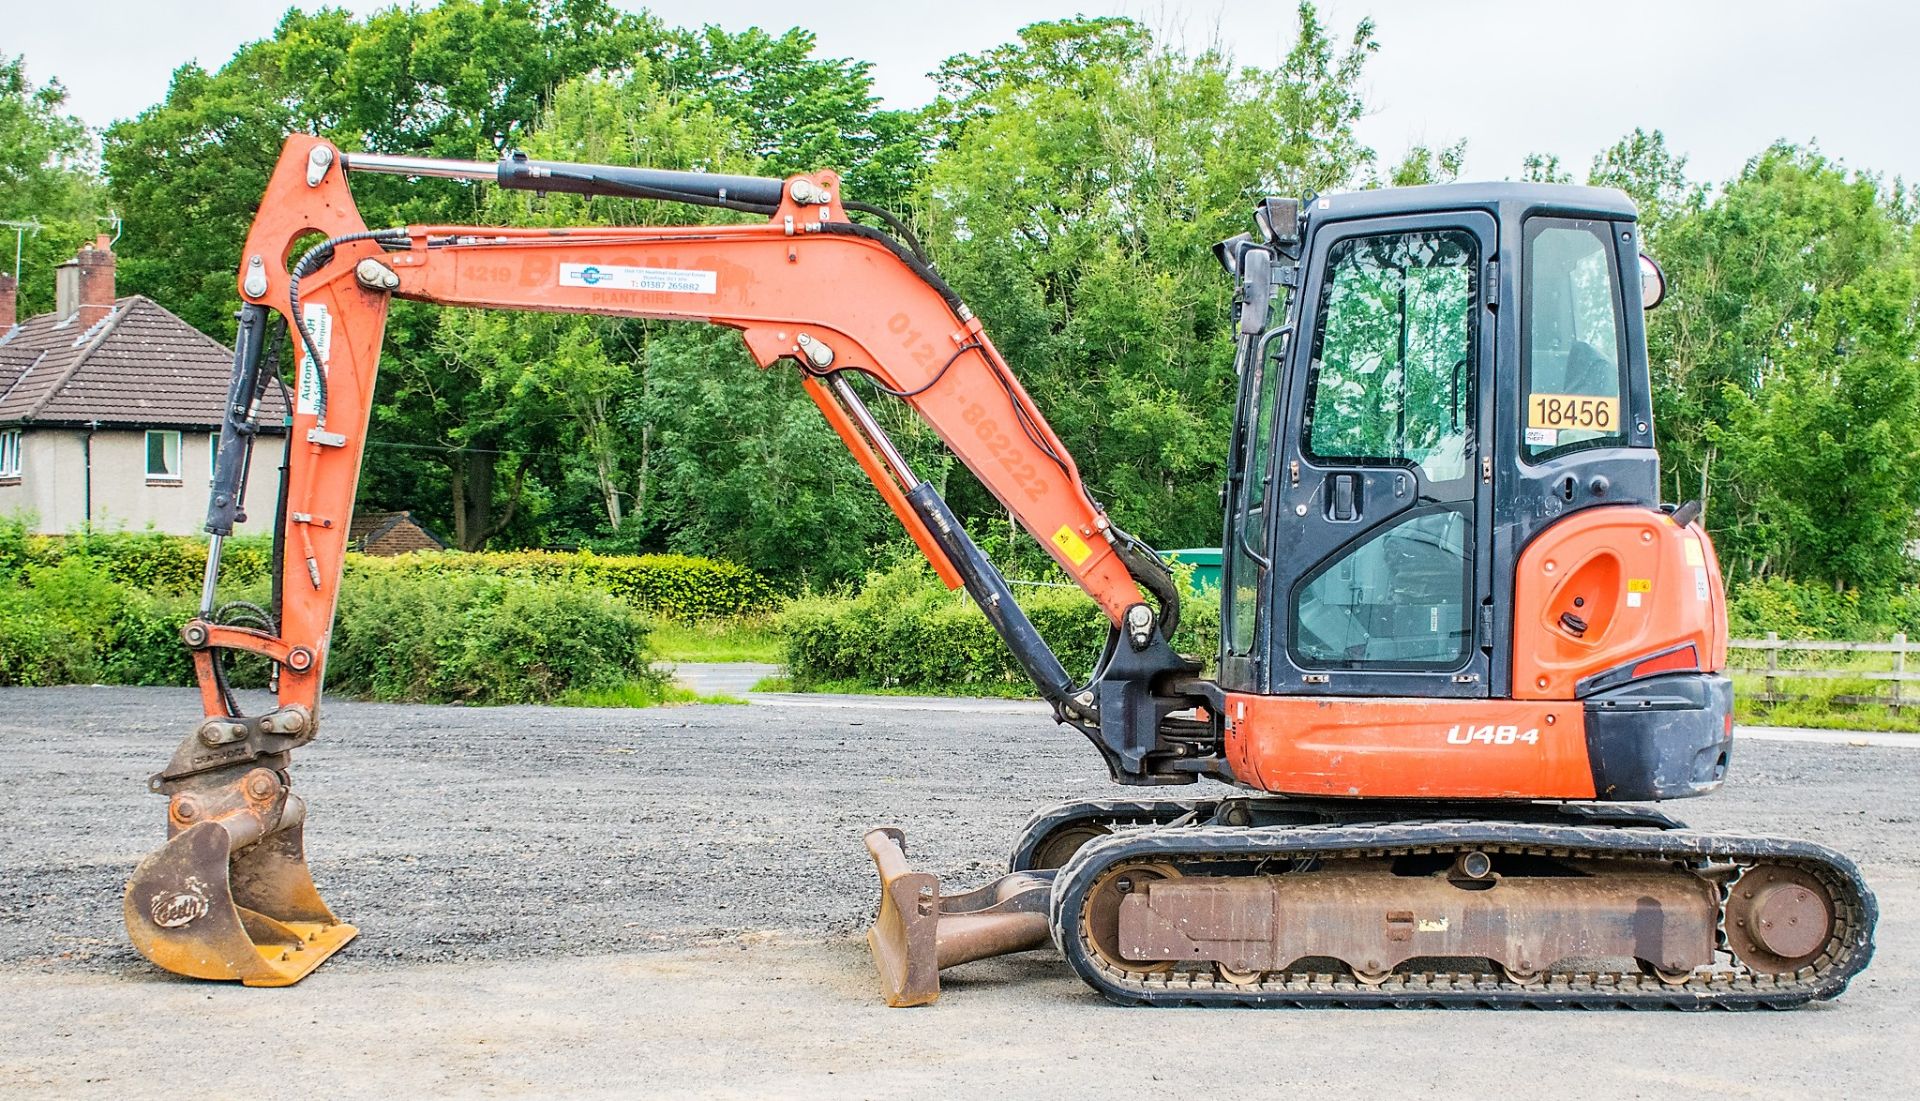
x: 85, y: 283
x: 9, y: 302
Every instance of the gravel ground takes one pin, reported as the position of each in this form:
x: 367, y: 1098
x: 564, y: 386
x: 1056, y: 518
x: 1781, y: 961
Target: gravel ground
x: 667, y: 902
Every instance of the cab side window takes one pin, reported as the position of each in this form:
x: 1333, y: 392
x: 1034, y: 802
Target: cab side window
x: 1571, y: 337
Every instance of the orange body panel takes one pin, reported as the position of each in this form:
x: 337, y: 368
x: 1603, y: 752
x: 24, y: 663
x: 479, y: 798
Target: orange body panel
x: 1354, y: 747
x: 1643, y: 585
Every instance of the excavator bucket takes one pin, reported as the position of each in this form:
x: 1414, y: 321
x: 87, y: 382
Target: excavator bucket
x: 918, y: 932
x: 228, y: 898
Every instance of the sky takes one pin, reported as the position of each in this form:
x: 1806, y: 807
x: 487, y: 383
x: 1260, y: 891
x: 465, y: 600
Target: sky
x: 1722, y: 78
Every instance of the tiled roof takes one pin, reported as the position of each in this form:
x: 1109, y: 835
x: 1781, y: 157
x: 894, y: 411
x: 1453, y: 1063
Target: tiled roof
x: 139, y: 365
x: 390, y: 533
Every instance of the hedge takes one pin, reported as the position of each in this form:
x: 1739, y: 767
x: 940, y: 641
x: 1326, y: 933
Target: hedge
x: 675, y: 586
x: 434, y: 628
x: 905, y: 630
x: 451, y: 637
x: 1808, y: 610
x: 143, y: 560
x: 69, y: 623
x: 398, y: 636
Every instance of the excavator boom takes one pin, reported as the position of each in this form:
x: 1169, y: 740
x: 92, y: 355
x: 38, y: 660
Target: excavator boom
x: 806, y: 284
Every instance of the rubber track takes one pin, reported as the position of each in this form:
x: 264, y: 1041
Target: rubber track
x: 1106, y: 812
x: 1135, y: 813
x: 1728, y: 985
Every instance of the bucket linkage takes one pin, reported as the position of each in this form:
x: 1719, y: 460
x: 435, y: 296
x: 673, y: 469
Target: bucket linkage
x: 229, y: 895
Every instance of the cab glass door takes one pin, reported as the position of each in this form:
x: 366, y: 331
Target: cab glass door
x: 1382, y: 495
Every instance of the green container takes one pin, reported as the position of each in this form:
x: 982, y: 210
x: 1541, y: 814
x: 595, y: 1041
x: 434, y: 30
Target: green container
x: 1205, y: 562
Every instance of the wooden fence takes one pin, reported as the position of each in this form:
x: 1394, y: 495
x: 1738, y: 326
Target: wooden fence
x: 1804, y: 662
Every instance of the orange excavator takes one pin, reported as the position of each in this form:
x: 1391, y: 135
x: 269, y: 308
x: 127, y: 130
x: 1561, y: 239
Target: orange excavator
x: 1461, y: 636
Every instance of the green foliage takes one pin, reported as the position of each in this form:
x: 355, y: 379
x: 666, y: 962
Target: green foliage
x: 483, y: 628
x: 1084, y: 175
x: 152, y: 561
x: 442, y: 637
x: 1802, y: 611
x: 905, y: 630
x: 67, y: 622
x: 1425, y: 164
x: 47, y: 176
x: 464, y: 78
x: 801, y: 113
x: 673, y: 586
x: 1786, y: 361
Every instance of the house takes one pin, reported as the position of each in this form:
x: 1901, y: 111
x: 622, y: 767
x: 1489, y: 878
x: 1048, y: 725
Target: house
x: 391, y: 533
x: 110, y: 411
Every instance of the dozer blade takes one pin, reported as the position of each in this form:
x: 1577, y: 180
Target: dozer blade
x: 918, y: 932
x: 226, y: 898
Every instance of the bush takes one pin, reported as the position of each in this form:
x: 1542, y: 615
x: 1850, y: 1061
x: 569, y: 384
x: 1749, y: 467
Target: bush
x: 906, y: 630
x: 1806, y: 610
x: 399, y: 635
x: 69, y: 623
x: 440, y: 637
x: 147, y: 559
x: 674, y: 586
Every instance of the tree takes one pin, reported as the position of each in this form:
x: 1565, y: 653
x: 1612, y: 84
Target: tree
x: 801, y: 112
x: 1424, y: 164
x: 464, y: 79
x: 1544, y: 168
x: 1774, y: 358
x: 46, y: 177
x: 1821, y: 459
x: 1641, y: 165
x: 1084, y: 175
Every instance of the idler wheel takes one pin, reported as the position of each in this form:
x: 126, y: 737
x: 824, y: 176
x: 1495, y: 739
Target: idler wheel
x: 1062, y: 843
x: 1779, y: 919
x: 1100, y: 916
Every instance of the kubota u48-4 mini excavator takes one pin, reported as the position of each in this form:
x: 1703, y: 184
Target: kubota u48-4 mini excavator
x: 1459, y: 629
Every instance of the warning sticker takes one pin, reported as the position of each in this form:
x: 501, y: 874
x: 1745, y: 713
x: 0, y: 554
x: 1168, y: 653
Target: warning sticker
x: 1639, y: 584
x: 1542, y: 437
x: 1700, y: 588
x: 1695, y: 556
x: 619, y: 277
x: 1071, y: 545
x: 319, y: 325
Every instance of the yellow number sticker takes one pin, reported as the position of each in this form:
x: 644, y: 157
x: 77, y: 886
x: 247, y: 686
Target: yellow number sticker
x: 1573, y: 411
x: 1074, y: 547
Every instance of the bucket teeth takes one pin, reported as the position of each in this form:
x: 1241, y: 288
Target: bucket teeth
x: 197, y: 907
x: 918, y: 932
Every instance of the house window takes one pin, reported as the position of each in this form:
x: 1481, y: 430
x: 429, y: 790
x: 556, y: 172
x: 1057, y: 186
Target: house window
x: 163, y: 456
x: 10, y: 453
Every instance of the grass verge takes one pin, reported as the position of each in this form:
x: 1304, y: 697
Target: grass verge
x: 1819, y: 709
x: 744, y: 639
x: 868, y: 688
x: 640, y: 693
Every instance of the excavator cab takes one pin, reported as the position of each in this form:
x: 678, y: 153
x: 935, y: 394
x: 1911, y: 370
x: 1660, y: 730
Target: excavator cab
x: 1447, y: 373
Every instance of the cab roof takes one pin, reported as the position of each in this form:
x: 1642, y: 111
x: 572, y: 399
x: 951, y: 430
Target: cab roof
x: 1502, y: 199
